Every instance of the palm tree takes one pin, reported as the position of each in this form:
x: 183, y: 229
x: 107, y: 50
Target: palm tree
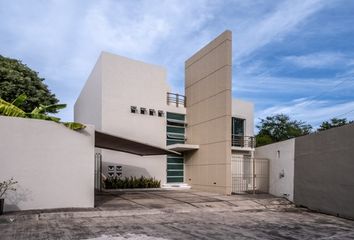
x: 13, y: 109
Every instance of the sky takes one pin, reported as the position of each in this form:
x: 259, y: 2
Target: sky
x: 289, y: 56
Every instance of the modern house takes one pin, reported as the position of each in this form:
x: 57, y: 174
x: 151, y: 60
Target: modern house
x: 206, y: 128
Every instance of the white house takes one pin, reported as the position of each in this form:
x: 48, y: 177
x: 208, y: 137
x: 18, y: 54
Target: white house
x: 132, y: 99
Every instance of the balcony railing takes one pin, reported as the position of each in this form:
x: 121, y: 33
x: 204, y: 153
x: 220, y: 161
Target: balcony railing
x: 243, y: 141
x: 176, y: 99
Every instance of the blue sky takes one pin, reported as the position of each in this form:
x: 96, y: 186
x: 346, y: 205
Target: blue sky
x: 294, y: 57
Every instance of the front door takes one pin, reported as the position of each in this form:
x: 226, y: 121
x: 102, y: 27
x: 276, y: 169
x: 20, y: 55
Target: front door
x: 175, y: 169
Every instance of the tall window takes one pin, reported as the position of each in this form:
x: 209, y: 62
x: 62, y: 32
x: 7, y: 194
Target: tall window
x: 238, y: 132
x: 238, y: 126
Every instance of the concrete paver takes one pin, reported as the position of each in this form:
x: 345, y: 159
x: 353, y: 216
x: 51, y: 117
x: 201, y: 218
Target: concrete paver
x: 168, y: 215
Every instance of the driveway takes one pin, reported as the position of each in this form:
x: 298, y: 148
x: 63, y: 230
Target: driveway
x: 177, y: 215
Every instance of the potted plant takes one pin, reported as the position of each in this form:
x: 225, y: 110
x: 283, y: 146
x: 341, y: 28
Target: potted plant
x: 4, y: 187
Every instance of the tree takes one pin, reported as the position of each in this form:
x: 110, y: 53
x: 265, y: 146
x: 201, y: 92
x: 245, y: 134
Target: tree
x: 278, y: 128
x: 16, y: 79
x: 334, y: 122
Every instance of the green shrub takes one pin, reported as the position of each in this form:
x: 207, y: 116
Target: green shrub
x: 132, y: 182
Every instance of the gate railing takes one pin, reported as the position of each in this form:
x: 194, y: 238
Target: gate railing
x: 249, y: 175
x: 243, y: 141
x: 98, y: 171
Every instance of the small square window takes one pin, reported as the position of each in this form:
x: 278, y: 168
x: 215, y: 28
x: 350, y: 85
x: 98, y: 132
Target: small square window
x: 161, y: 113
x: 142, y: 110
x: 133, y: 109
x: 152, y: 112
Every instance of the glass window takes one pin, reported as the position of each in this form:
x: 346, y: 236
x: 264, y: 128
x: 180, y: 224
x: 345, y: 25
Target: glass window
x: 238, y: 126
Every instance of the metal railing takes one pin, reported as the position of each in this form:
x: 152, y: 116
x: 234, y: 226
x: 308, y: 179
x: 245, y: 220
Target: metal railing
x: 177, y: 99
x: 243, y: 141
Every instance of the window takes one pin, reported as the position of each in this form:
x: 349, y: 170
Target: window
x: 152, y: 112
x: 161, y: 113
x: 133, y: 109
x: 142, y: 110
x: 238, y: 125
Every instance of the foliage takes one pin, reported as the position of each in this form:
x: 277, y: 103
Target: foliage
x: 7, y: 186
x: 334, y: 122
x: 16, y: 78
x: 132, y: 182
x: 13, y: 109
x: 278, y: 128
x: 263, y: 140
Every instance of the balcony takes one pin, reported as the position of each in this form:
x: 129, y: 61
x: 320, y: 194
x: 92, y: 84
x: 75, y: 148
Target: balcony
x: 176, y: 99
x: 243, y: 142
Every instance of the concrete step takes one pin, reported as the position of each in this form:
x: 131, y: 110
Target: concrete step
x: 175, y: 186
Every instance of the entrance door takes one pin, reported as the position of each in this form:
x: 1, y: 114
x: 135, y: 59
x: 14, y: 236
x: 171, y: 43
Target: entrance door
x: 175, y: 169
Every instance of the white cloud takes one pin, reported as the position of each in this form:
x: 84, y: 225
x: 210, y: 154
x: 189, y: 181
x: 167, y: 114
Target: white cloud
x: 62, y: 39
x: 274, y: 26
x: 313, y: 112
x: 319, y: 60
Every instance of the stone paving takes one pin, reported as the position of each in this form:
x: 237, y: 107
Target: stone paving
x: 177, y: 215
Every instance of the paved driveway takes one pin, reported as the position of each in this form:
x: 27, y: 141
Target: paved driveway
x: 177, y: 215
x: 184, y: 200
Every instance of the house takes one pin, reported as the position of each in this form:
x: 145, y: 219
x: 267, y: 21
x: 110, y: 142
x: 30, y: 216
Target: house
x: 206, y: 127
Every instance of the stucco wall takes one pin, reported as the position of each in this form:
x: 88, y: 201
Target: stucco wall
x: 281, y: 167
x: 54, y: 166
x: 324, y: 170
x: 135, y: 166
x: 88, y: 106
x: 244, y: 110
x: 118, y: 83
x: 208, y: 93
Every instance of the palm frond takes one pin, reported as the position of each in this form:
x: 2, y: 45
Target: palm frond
x: 10, y: 110
x: 19, y: 100
x: 74, y: 125
x: 42, y: 116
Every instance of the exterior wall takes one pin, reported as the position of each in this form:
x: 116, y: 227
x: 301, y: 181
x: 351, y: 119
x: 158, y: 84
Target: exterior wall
x: 54, y: 166
x: 244, y: 110
x: 281, y: 167
x: 208, y: 94
x: 88, y: 106
x: 122, y: 83
x: 135, y: 166
x: 324, y: 167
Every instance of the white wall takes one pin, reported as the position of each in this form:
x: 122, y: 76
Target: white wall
x: 280, y: 162
x: 88, y: 106
x: 244, y: 110
x: 135, y: 166
x: 54, y: 166
x: 122, y: 83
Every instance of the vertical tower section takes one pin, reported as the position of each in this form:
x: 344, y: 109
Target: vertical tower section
x: 208, y: 88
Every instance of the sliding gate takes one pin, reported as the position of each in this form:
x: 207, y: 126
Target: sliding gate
x: 249, y: 175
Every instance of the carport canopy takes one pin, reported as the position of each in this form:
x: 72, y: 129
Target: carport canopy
x: 116, y: 143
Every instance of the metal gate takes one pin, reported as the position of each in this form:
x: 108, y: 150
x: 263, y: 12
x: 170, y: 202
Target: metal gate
x: 98, y: 171
x: 249, y: 175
